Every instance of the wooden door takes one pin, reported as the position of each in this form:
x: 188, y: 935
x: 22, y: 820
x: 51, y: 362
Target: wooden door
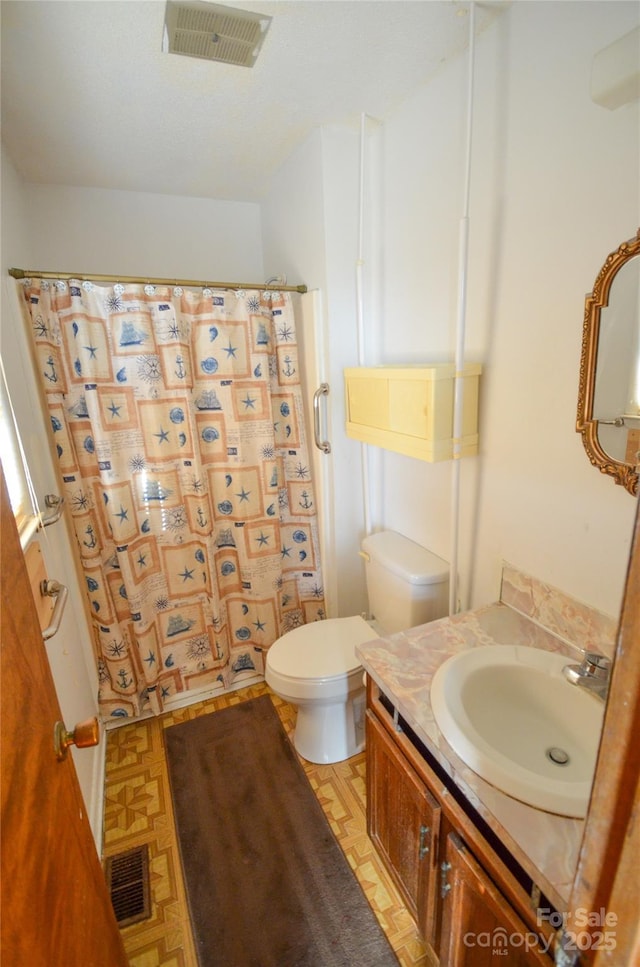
x: 603, y: 925
x: 56, y: 910
x: 403, y: 820
x: 479, y: 927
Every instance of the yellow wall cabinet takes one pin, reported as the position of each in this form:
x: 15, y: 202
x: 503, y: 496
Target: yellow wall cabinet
x: 409, y: 409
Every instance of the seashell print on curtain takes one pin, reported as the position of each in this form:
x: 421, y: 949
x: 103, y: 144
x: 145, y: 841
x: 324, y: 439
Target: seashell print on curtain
x: 178, y: 424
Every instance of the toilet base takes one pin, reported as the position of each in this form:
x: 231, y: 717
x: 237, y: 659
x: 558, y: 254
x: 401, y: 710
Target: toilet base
x: 331, y: 732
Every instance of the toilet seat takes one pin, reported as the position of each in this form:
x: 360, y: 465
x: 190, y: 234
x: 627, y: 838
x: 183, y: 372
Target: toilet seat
x: 321, y: 650
x: 317, y: 661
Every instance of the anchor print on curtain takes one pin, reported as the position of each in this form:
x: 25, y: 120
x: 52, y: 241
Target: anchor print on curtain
x: 177, y: 419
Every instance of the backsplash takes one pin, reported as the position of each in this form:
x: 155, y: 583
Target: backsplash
x: 557, y: 612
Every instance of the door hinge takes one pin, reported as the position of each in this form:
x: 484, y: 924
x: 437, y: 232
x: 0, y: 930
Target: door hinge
x: 444, y: 886
x: 425, y: 832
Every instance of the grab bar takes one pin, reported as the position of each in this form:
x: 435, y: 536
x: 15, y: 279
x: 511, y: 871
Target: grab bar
x: 60, y: 592
x: 322, y: 390
x: 55, y: 504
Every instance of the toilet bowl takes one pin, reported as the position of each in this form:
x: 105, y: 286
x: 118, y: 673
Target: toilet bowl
x: 315, y: 668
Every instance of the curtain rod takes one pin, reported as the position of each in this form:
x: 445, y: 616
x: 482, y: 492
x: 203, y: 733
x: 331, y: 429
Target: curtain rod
x: 193, y: 283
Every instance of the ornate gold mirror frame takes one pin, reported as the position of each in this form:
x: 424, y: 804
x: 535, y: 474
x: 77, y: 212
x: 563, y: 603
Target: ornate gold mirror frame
x: 625, y: 474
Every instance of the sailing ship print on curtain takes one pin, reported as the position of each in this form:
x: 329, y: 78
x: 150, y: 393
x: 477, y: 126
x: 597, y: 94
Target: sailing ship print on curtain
x: 177, y: 419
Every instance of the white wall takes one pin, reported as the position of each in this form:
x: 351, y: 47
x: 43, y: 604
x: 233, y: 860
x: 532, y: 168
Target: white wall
x: 554, y: 189
x: 293, y: 218
x: 87, y: 230
x: 310, y: 233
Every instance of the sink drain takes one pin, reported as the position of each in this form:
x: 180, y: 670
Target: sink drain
x: 558, y: 756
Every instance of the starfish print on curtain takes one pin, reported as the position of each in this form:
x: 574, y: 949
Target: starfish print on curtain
x: 178, y: 424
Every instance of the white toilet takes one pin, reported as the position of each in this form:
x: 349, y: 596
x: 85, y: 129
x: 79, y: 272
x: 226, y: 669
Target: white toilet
x: 315, y: 666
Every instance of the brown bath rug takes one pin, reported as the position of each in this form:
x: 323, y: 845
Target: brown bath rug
x: 267, y: 882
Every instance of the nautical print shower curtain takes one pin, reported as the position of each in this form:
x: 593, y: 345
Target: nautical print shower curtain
x: 177, y: 420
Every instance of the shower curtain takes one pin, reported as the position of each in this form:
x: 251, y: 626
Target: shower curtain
x: 177, y: 420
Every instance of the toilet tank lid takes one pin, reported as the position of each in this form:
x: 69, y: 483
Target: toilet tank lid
x: 410, y: 561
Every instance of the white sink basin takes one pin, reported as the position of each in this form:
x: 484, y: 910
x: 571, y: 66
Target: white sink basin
x: 512, y: 717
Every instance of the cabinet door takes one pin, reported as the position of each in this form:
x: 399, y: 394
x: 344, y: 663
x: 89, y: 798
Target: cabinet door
x: 403, y: 821
x: 479, y: 927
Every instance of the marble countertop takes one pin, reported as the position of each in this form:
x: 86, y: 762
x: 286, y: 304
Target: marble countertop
x: 402, y: 665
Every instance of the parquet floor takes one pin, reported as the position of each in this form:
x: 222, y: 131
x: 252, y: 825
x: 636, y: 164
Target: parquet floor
x: 138, y: 810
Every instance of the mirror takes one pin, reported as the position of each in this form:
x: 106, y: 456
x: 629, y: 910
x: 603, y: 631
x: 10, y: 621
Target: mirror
x: 609, y: 393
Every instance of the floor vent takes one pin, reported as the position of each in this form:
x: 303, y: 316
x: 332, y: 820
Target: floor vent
x: 213, y: 32
x: 128, y: 882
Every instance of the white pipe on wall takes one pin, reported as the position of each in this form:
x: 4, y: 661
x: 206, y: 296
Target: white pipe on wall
x: 461, y: 318
x: 364, y: 453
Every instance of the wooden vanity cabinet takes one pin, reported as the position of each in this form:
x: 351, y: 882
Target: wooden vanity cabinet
x: 479, y: 927
x: 470, y: 907
x: 403, y: 822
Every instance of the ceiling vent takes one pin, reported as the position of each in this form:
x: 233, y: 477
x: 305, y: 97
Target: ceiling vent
x: 212, y: 31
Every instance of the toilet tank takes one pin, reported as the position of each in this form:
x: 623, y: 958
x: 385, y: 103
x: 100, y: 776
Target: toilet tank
x: 407, y: 585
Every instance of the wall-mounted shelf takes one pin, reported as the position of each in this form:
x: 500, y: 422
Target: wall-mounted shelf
x: 409, y: 409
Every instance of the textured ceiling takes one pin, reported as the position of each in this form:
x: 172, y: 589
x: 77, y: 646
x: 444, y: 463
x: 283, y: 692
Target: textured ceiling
x: 89, y: 99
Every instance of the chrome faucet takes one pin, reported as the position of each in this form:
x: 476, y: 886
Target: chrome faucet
x: 592, y: 673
